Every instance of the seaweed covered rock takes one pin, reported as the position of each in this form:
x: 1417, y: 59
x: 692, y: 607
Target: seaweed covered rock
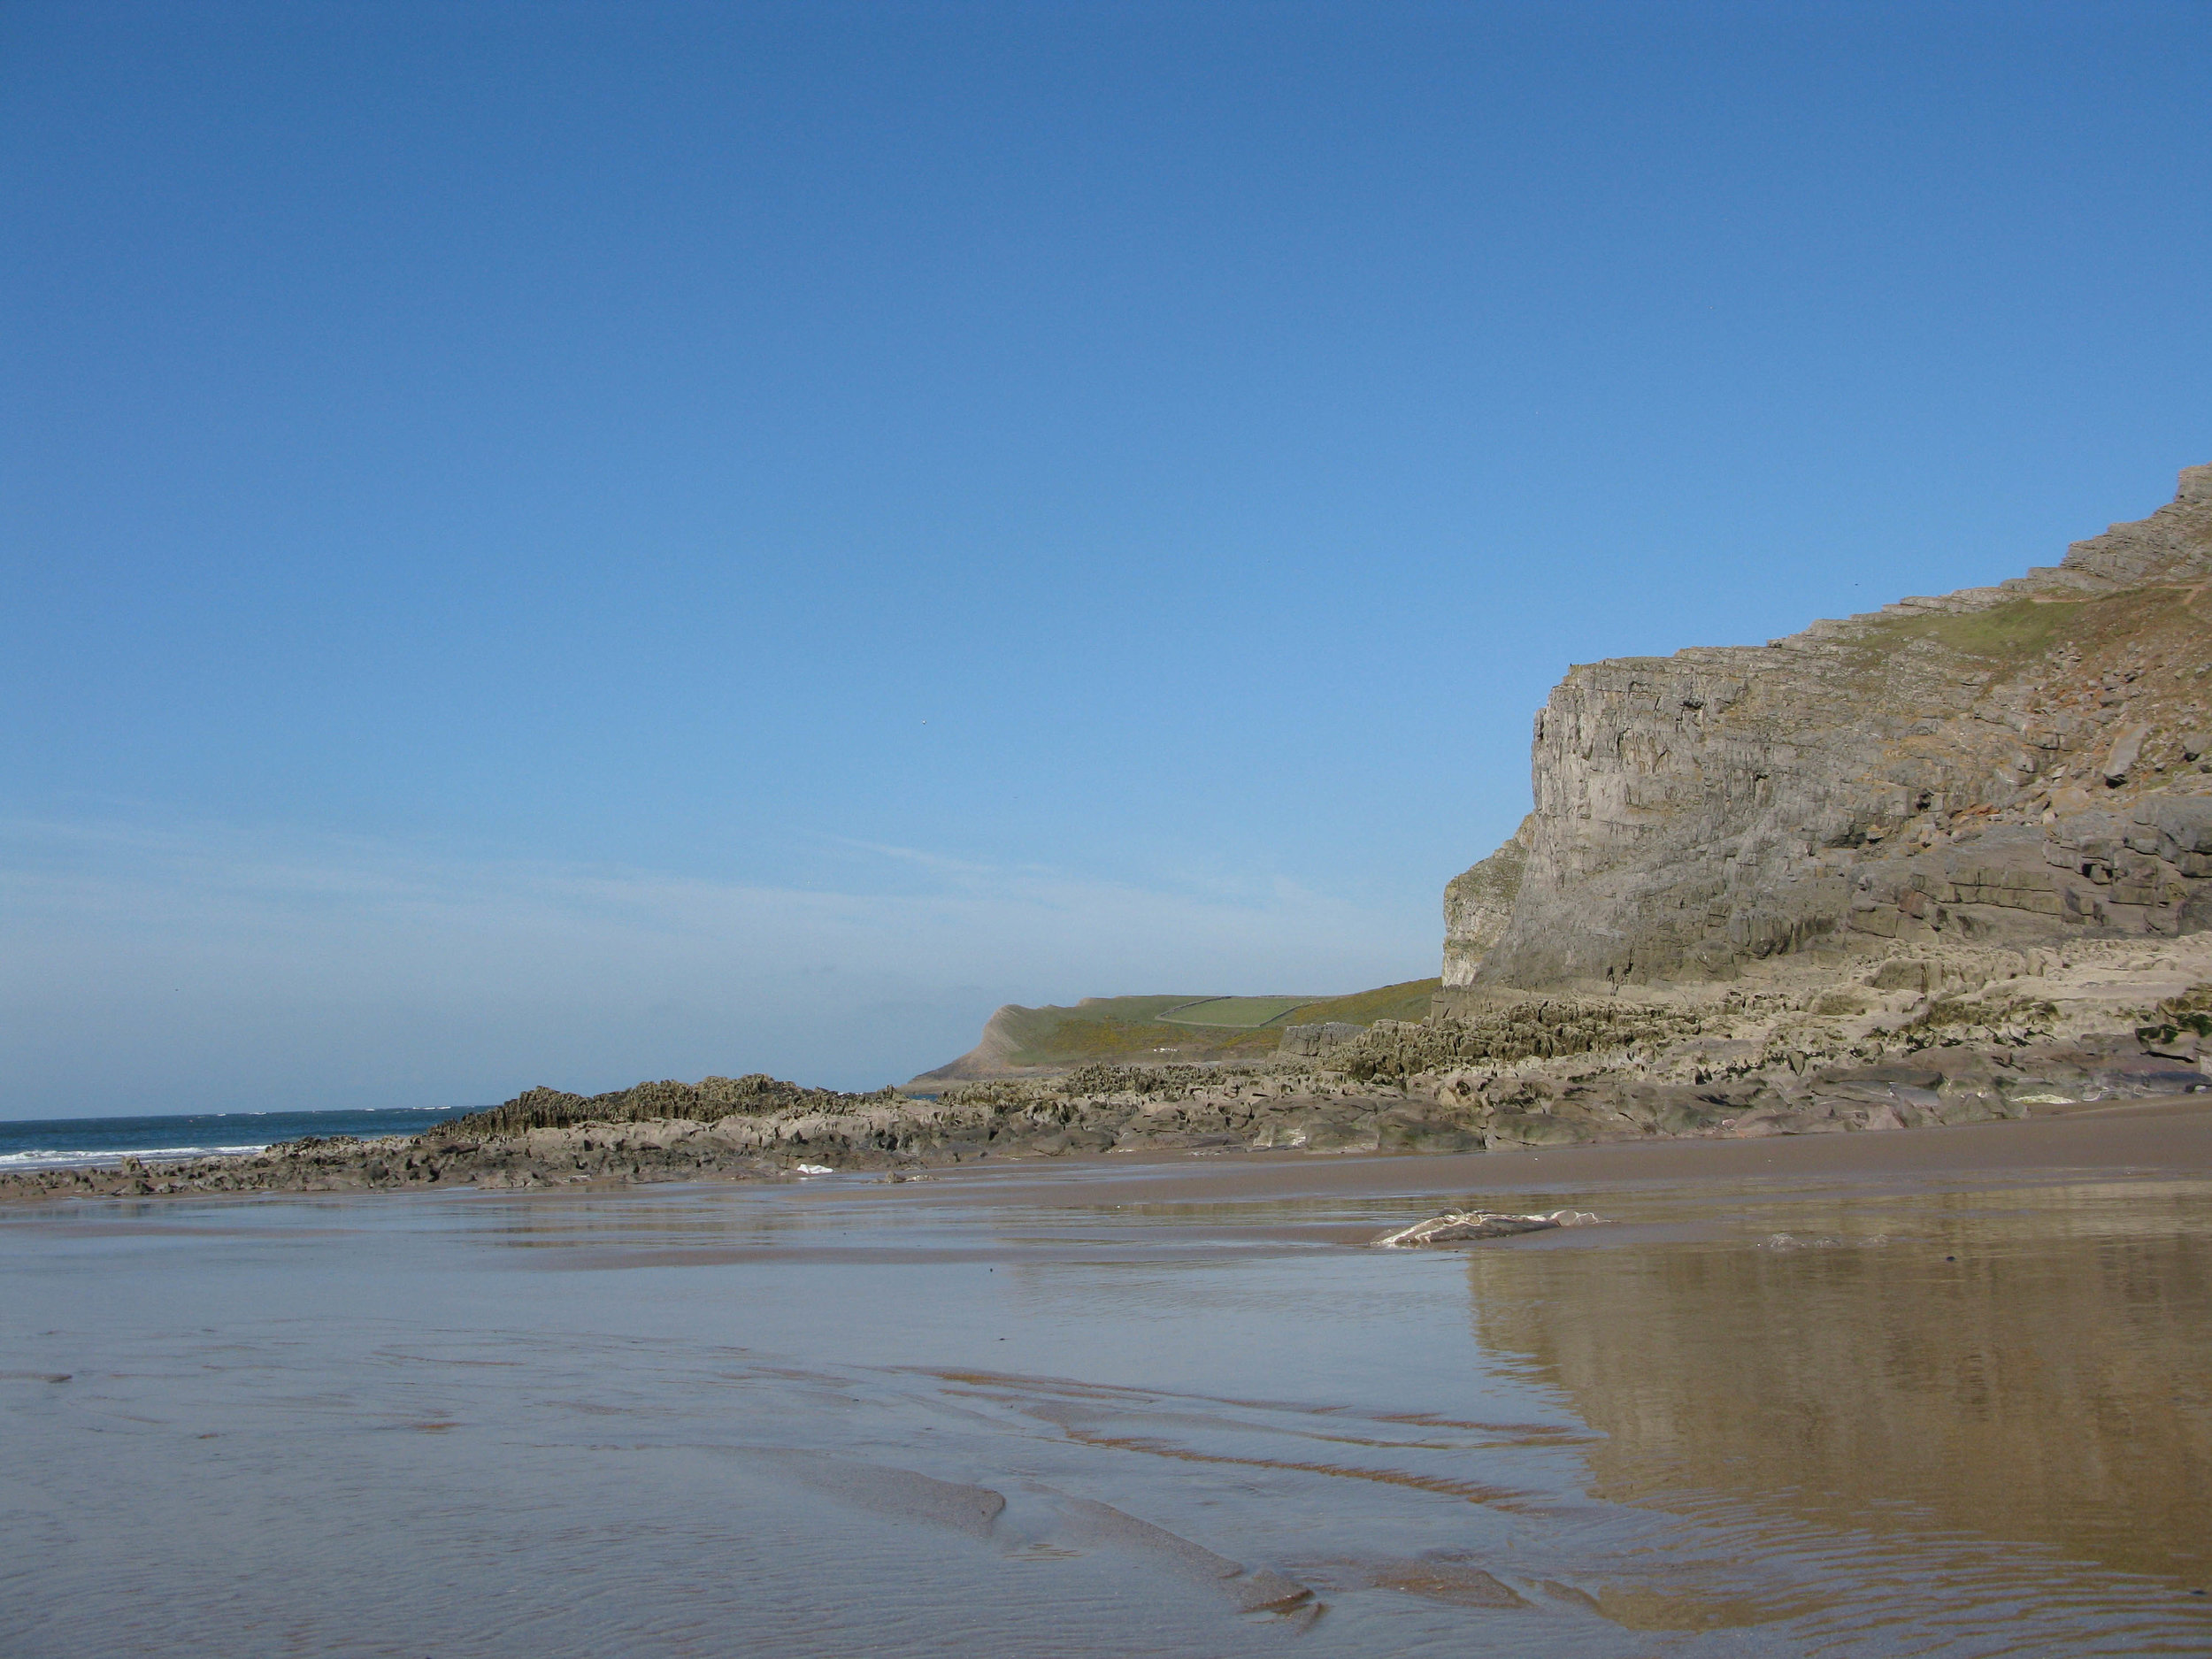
x: 1539, y: 1028
x: 707, y: 1100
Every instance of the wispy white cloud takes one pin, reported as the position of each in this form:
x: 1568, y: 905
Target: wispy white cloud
x: 171, y: 968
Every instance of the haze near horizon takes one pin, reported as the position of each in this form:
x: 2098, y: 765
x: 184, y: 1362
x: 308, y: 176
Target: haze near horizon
x: 575, y: 544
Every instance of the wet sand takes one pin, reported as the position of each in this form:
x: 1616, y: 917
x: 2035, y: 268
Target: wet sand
x: 1941, y: 1391
x: 2171, y: 1136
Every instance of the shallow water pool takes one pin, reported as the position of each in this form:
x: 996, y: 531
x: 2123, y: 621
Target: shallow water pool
x: 1085, y: 1409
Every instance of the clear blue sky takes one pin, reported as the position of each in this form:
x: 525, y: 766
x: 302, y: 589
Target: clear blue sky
x: 571, y: 543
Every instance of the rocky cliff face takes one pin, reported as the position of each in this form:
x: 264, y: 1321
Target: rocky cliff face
x: 1998, y: 765
x: 1478, y: 906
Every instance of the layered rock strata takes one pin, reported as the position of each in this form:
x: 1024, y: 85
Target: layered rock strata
x: 2018, y: 764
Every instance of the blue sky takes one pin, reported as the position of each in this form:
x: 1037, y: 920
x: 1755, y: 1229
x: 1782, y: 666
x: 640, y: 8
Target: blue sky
x: 564, y: 543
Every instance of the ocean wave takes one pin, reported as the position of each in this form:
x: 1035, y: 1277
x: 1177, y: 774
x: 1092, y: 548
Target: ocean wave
x: 59, y: 1158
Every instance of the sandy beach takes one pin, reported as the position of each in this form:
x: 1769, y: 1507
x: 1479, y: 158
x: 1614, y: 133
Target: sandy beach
x: 1946, y: 1386
x: 2163, y: 1136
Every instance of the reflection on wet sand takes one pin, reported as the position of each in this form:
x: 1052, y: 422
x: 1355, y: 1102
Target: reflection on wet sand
x: 1092, y: 1413
x: 2030, y: 1365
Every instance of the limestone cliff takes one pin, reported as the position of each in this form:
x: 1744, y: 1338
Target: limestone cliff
x: 1998, y: 765
x: 1478, y: 905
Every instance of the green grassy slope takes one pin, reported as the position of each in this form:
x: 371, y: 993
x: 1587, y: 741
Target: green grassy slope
x: 1169, y: 1028
x: 1407, y: 1000
x: 1239, y: 1013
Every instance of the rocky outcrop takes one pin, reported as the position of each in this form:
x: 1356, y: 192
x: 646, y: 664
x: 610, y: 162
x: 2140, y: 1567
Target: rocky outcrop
x: 780, y: 1132
x: 1918, y: 1037
x: 1478, y: 906
x: 1311, y: 1041
x: 708, y: 1101
x: 2004, y: 765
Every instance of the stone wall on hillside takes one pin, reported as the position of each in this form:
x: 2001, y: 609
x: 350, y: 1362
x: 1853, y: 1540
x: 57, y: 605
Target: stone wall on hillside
x: 2025, y: 760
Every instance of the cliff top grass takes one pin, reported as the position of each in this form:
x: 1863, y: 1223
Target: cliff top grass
x: 1165, y: 1028
x: 1407, y: 1000
x: 2018, y: 627
x: 2019, y: 630
x: 1240, y: 1013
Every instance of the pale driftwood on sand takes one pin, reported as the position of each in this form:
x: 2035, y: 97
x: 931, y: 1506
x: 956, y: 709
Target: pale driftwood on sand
x: 1464, y: 1226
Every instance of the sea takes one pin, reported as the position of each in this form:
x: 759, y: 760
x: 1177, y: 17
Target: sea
x: 57, y: 1142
